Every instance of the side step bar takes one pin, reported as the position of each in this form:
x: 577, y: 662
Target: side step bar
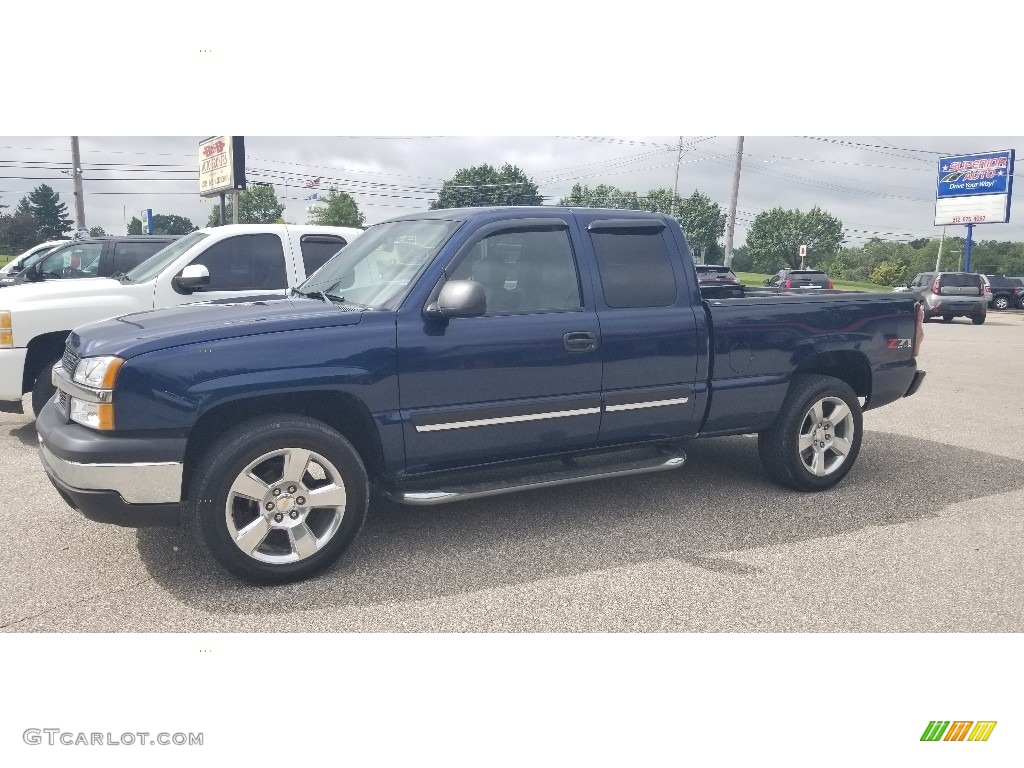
x: 668, y: 458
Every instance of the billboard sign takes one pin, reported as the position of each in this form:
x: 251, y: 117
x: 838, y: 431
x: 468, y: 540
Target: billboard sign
x: 146, y: 217
x: 221, y: 164
x: 974, y: 189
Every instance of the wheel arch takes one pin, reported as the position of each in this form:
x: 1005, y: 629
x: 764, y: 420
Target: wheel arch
x: 338, y: 410
x: 41, y: 350
x: 846, y: 365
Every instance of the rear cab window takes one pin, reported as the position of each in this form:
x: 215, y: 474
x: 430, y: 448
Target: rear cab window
x: 633, y: 263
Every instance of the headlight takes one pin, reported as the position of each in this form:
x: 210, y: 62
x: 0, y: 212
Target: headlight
x: 6, y: 334
x: 98, y: 372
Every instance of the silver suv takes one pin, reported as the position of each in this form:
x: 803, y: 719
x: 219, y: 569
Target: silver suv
x: 951, y: 294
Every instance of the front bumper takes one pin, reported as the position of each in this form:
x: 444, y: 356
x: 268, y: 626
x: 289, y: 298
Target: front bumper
x: 12, y: 371
x: 95, y: 475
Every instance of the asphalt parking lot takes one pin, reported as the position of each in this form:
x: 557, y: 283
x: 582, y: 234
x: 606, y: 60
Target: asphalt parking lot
x: 924, y: 535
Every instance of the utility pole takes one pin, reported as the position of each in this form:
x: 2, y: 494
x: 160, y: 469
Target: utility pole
x: 76, y: 174
x: 938, y: 259
x: 679, y: 157
x: 234, y: 207
x: 730, y: 227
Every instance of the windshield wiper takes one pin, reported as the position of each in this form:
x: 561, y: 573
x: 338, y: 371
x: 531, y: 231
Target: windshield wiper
x: 327, y: 298
x: 121, y: 277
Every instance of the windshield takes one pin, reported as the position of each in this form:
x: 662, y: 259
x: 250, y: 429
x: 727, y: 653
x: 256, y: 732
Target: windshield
x: 377, y: 268
x: 156, y: 263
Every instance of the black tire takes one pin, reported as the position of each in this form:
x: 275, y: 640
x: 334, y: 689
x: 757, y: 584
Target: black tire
x: 224, y: 464
x: 978, y: 319
x: 1000, y: 303
x: 947, y: 318
x: 779, y: 446
x: 42, y: 387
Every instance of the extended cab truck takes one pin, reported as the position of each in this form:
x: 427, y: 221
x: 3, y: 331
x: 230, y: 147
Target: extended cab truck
x: 452, y: 355
x: 222, y: 262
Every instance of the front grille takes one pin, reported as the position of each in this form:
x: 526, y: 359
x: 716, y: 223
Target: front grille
x: 70, y: 361
x: 63, y: 400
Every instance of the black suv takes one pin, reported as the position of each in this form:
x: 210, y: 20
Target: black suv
x: 1002, y: 292
x: 92, y: 257
x: 799, y: 278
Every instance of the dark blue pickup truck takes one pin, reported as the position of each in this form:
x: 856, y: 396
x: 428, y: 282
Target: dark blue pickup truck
x: 451, y: 355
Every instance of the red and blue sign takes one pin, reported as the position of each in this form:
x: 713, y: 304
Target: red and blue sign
x: 967, y: 175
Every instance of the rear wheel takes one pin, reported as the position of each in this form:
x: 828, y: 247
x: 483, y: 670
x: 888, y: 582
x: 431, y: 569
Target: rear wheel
x: 947, y: 318
x: 816, y: 437
x: 42, y: 387
x: 1001, y: 302
x: 978, y: 319
x: 279, y: 498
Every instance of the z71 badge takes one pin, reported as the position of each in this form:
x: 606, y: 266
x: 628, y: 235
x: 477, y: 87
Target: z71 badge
x: 899, y: 344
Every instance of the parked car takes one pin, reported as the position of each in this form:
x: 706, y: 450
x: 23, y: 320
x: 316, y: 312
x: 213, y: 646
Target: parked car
x: 718, y: 282
x: 227, y: 262
x: 270, y: 425
x: 950, y: 294
x: 799, y: 278
x: 29, y: 257
x: 92, y: 257
x: 1019, y: 282
x: 1002, y: 292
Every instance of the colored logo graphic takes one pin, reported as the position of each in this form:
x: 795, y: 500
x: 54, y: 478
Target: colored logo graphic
x: 958, y: 730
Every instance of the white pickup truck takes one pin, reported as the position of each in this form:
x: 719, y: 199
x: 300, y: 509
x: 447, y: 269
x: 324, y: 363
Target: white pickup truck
x: 214, y: 263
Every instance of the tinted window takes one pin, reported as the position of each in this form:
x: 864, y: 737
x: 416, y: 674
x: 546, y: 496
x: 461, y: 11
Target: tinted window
x: 526, y: 270
x: 245, y: 262
x: 318, y: 249
x: 960, y: 281
x: 128, y: 255
x: 997, y: 281
x: 635, y: 268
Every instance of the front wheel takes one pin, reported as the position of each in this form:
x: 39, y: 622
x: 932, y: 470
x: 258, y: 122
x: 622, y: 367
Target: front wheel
x: 279, y: 498
x: 816, y: 437
x: 1001, y: 302
x: 42, y: 387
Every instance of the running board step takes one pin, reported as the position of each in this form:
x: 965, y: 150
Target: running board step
x: 568, y: 471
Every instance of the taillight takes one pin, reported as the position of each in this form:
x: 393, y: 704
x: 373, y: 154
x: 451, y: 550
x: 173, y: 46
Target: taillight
x: 988, y: 289
x: 830, y: 285
x: 788, y: 284
x: 918, y: 328
x: 935, y: 286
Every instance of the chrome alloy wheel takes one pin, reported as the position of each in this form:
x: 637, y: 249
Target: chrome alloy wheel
x: 285, y: 506
x: 826, y: 436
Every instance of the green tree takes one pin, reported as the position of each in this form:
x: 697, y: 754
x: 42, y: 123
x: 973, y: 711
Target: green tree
x: 339, y: 210
x: 890, y: 273
x: 49, y: 212
x: 18, y: 232
x: 256, y: 205
x: 135, y: 226
x: 601, y: 196
x: 703, y: 222
x: 97, y: 232
x: 170, y: 224
x: 484, y: 185
x: 775, y: 237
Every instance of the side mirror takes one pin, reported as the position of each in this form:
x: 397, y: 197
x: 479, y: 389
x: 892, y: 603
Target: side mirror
x: 15, y: 269
x: 192, y: 277
x: 458, y: 298
x: 767, y: 282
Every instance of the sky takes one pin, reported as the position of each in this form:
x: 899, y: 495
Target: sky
x: 878, y: 186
